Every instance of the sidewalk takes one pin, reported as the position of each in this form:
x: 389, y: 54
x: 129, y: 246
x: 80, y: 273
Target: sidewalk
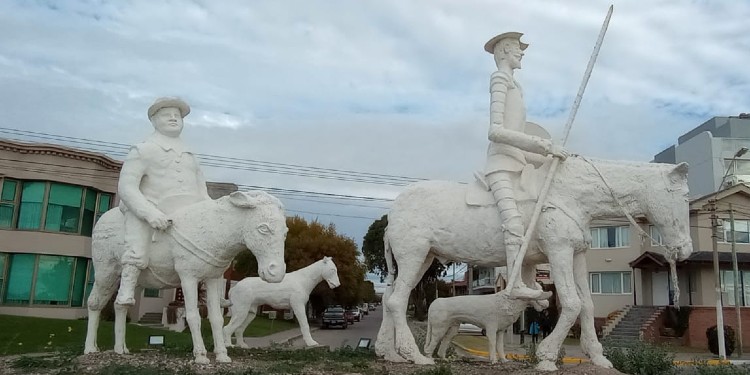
x: 277, y: 338
x: 477, y: 346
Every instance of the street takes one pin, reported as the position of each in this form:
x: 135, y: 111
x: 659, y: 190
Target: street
x: 337, y: 337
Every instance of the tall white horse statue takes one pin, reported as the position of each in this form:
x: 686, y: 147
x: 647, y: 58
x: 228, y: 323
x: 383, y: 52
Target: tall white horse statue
x: 293, y: 292
x: 432, y: 220
x: 200, y: 244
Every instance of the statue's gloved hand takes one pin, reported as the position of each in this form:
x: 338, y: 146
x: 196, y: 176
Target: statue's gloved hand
x: 158, y: 220
x: 557, y: 151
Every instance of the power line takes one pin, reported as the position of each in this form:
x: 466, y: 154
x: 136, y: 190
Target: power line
x: 121, y: 149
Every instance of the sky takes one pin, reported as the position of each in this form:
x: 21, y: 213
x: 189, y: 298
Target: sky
x: 352, y: 99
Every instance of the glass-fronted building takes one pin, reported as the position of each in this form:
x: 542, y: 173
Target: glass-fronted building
x: 50, y: 199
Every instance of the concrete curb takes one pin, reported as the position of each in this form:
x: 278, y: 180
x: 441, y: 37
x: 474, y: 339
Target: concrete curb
x: 576, y: 360
x: 292, y: 338
x: 516, y: 357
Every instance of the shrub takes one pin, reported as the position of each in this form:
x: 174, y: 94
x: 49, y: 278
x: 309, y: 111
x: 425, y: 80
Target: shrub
x: 703, y: 368
x: 712, y: 334
x: 640, y: 359
x: 677, y: 319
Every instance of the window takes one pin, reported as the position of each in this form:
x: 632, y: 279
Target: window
x: 89, y: 205
x: 741, y: 231
x: 51, y: 206
x: 727, y: 287
x: 151, y: 293
x: 50, y: 280
x: 2, y: 271
x: 63, y: 208
x: 79, y: 282
x: 105, y: 201
x: 7, y: 202
x: 89, y: 281
x: 607, y: 237
x: 20, y: 277
x: 656, y: 239
x: 53, y: 278
x: 30, y: 211
x: 611, y: 282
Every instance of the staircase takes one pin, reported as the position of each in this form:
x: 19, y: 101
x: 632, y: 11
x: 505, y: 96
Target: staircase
x: 151, y: 320
x: 628, y: 330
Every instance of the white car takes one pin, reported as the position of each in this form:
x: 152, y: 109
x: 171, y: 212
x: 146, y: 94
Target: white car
x: 471, y: 328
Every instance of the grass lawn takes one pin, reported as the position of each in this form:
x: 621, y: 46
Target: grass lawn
x: 19, y: 334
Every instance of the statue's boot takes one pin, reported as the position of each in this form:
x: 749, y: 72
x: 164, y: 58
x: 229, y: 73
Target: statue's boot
x: 128, y: 281
x: 520, y: 290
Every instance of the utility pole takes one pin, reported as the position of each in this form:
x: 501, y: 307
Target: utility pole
x: 737, y: 299
x: 454, y: 279
x: 717, y: 281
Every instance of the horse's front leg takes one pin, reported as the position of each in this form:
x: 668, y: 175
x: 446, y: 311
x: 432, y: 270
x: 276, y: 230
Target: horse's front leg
x: 589, y: 341
x: 213, y: 298
x: 560, y: 256
x: 385, y: 344
x: 193, y: 317
x: 298, y: 306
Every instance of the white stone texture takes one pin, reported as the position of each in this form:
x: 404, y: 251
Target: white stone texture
x: 431, y: 220
x: 199, y: 245
x: 493, y: 312
x: 291, y: 293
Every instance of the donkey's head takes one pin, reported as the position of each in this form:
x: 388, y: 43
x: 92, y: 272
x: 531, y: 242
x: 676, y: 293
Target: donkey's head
x: 263, y: 232
x: 668, y: 209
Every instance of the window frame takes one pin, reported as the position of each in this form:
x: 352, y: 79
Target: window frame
x: 655, y: 235
x: 621, y: 241
x: 726, y: 229
x: 35, y: 274
x: 13, y: 202
x: 622, y: 274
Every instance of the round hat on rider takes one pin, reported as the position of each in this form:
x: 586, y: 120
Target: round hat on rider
x: 490, y: 45
x: 169, y: 102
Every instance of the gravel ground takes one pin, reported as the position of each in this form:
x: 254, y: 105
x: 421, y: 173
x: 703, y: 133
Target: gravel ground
x: 162, y: 363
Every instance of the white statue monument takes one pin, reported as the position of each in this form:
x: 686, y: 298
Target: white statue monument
x: 293, y: 292
x: 167, y: 232
x: 454, y: 222
x: 493, y: 312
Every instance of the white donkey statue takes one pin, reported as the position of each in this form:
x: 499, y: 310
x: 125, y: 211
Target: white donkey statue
x: 200, y: 244
x: 293, y: 292
x: 432, y: 220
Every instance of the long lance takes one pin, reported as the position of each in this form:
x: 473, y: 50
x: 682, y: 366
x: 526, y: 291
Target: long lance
x: 516, y: 271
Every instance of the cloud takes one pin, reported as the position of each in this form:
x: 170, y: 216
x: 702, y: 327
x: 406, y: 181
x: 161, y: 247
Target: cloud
x: 389, y: 87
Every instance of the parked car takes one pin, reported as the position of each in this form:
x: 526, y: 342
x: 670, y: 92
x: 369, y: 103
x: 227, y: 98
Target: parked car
x: 371, y: 307
x: 349, y: 316
x: 471, y: 328
x: 356, y: 314
x: 334, y: 316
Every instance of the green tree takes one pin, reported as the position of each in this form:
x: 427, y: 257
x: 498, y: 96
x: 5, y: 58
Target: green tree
x: 373, y: 250
x: 306, y: 243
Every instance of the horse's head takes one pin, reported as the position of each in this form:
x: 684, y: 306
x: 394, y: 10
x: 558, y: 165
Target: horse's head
x: 669, y: 211
x: 329, y: 272
x: 264, y: 232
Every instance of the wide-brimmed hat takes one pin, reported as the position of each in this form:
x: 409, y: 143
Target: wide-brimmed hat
x: 169, y: 102
x: 490, y: 45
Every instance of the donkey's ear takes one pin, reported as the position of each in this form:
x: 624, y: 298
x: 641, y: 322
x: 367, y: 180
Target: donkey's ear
x: 242, y: 200
x: 326, y: 259
x: 681, y: 168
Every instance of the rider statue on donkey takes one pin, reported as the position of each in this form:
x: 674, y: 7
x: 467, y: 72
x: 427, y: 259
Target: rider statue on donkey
x: 511, y: 149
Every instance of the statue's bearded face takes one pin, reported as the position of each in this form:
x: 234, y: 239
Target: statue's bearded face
x: 168, y: 121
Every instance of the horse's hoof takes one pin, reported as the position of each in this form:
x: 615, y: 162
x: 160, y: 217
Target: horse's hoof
x: 91, y: 350
x: 119, y: 350
x: 422, y: 360
x: 393, y: 357
x: 546, y: 366
x: 312, y: 343
x: 125, y: 350
x: 223, y: 358
x: 202, y: 359
x: 601, y: 361
x: 243, y: 346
